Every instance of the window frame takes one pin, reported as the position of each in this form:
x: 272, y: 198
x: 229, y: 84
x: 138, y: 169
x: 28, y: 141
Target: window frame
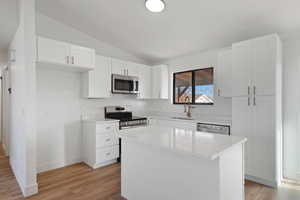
x: 193, y: 87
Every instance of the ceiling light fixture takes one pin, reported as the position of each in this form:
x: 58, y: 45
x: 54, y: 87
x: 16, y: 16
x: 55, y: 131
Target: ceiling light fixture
x: 155, y: 5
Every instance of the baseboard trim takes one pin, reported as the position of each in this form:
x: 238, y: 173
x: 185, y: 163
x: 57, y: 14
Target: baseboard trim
x: 27, y: 190
x: 104, y: 163
x: 57, y: 164
x: 272, y: 184
x: 5, y: 149
x: 30, y: 190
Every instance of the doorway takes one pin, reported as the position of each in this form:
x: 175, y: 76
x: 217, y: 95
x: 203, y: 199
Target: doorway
x: 5, y: 109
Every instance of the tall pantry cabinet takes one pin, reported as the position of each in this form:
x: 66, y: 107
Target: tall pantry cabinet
x: 256, y: 106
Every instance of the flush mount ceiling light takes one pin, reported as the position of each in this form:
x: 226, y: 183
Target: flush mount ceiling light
x: 155, y: 5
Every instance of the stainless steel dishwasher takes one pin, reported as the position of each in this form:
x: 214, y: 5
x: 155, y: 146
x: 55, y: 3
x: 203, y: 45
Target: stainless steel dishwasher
x: 214, y: 128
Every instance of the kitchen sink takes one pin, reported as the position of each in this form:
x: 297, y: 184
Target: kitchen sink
x: 182, y: 118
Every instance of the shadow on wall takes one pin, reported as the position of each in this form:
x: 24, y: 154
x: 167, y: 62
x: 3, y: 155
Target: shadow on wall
x: 72, y: 142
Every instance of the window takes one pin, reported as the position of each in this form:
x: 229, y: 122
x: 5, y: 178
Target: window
x: 194, y: 87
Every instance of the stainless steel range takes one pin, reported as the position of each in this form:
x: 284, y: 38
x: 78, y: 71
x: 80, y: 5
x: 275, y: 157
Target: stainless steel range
x: 127, y: 120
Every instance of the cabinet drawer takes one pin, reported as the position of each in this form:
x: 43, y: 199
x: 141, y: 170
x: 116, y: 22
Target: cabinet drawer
x: 108, y: 139
x: 102, y: 128
x: 107, y: 154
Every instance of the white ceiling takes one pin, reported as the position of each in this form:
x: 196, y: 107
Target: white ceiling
x: 8, y: 21
x: 185, y: 26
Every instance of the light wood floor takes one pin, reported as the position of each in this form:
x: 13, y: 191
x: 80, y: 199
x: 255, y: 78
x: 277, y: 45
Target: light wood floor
x: 79, y: 182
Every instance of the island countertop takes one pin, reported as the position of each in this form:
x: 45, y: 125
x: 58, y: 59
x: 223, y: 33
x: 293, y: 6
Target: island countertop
x: 194, y: 143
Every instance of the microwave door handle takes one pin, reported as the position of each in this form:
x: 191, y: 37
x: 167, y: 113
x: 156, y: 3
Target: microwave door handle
x: 136, y: 86
x: 133, y: 82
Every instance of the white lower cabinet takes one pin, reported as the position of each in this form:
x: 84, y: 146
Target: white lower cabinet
x: 100, y: 143
x: 107, y: 154
x: 257, y: 122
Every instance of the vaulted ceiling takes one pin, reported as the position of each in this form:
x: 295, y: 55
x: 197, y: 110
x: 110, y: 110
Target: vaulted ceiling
x: 8, y: 21
x: 185, y: 26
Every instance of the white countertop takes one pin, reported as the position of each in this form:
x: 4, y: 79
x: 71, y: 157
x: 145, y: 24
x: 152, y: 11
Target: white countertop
x: 101, y: 120
x: 199, y: 144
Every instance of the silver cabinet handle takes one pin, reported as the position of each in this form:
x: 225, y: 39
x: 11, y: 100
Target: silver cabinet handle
x: 219, y: 92
x: 254, y: 95
x: 107, y: 140
x: 248, y: 96
x: 248, y: 90
x: 73, y: 60
x: 68, y: 59
x: 108, y: 153
x: 107, y: 128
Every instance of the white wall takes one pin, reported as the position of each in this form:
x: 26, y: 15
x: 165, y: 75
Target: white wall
x: 3, y: 57
x: 291, y: 108
x: 22, y: 146
x: 60, y: 105
x: 221, y: 110
x: 60, y: 108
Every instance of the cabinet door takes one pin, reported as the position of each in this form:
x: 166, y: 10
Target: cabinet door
x: 164, y: 76
x: 83, y: 57
x: 160, y: 82
x: 145, y: 82
x: 156, y: 82
x: 242, y: 126
x: 264, y: 138
x: 224, y: 73
x: 118, y: 66
x: 88, y: 84
x: 97, y: 82
x: 102, y: 77
x: 264, y: 68
x: 242, y: 63
x: 132, y: 69
x: 53, y: 51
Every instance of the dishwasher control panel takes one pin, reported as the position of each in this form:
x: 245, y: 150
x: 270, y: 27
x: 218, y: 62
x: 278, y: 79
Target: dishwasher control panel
x: 214, y: 128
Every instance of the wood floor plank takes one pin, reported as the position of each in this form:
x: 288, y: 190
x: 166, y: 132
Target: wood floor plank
x: 80, y: 182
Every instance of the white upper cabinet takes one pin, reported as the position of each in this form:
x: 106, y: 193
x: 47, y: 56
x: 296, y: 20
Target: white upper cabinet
x: 118, y: 67
x: 145, y: 82
x: 97, y: 83
x: 82, y: 56
x: 265, y: 60
x: 53, y: 51
x: 224, y: 73
x: 64, y: 56
x: 132, y: 69
x: 125, y: 68
x: 254, y: 66
x: 160, y: 82
x: 242, y: 63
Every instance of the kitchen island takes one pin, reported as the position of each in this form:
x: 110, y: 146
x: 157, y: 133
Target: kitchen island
x: 169, y: 163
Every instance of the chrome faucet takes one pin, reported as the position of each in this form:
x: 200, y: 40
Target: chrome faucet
x: 188, y: 108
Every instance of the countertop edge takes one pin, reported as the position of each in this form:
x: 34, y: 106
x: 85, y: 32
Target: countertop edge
x: 211, y: 157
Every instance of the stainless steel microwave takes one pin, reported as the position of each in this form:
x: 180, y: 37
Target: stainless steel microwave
x: 125, y: 84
